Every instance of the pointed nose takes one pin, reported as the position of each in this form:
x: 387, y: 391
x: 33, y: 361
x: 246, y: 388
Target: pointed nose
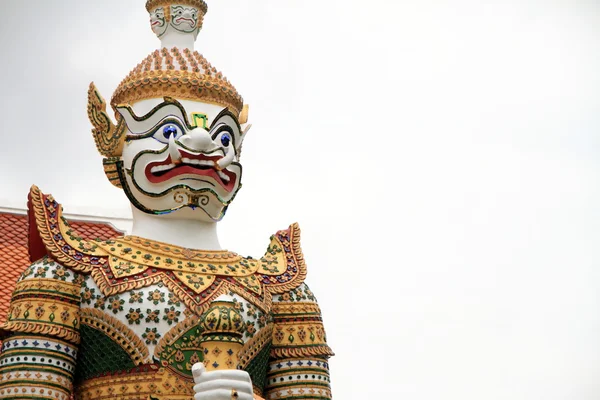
x: 197, y: 139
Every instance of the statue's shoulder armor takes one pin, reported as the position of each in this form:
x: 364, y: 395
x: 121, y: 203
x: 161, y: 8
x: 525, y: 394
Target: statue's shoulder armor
x: 282, y: 268
x: 50, y: 234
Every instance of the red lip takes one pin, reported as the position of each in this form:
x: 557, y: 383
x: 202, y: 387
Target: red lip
x: 155, y: 22
x: 190, y: 169
x: 191, y: 21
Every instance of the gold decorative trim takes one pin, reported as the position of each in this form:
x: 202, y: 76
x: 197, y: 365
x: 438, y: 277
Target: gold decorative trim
x: 223, y: 288
x: 297, y: 257
x: 177, y: 252
x: 198, y: 306
x: 296, y: 308
x: 152, y: 5
x: 45, y: 284
x: 43, y: 223
x: 118, y: 332
x: 109, y: 290
x: 69, y: 335
x: 38, y: 314
x: 255, y: 345
x: 288, y: 392
x: 280, y: 352
x: 153, y: 383
x: 32, y: 390
x: 175, y: 333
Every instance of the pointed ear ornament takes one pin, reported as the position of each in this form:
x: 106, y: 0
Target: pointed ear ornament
x: 244, y: 125
x: 243, y: 118
x: 109, y: 137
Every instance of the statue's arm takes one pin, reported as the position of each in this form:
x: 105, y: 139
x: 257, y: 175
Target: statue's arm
x: 298, y: 366
x: 41, y: 334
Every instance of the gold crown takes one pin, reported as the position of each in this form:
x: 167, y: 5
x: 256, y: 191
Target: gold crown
x: 181, y: 74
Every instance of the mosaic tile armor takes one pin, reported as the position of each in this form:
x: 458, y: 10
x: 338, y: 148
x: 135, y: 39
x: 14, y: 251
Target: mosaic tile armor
x: 128, y: 318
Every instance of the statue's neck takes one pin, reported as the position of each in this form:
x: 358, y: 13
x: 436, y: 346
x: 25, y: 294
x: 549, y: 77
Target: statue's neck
x: 179, y: 232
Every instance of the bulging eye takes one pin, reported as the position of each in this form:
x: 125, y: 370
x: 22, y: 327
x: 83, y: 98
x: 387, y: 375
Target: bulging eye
x: 225, y: 139
x: 166, y: 132
x: 170, y: 130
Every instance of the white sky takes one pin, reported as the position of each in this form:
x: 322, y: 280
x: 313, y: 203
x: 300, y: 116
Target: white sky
x: 442, y: 158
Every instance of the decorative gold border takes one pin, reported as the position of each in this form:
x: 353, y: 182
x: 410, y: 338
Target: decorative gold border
x: 43, y: 227
x: 223, y: 288
x: 175, y: 333
x: 53, y: 285
x: 255, y: 345
x: 109, y: 290
x: 32, y: 327
x: 297, y: 308
x: 118, y: 332
x: 280, y: 352
x: 169, y: 250
x: 178, y: 84
x: 45, y: 391
x: 153, y: 383
x: 298, y: 279
x: 199, y: 308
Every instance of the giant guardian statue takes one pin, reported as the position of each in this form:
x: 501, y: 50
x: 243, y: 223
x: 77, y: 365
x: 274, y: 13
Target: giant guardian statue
x: 164, y: 313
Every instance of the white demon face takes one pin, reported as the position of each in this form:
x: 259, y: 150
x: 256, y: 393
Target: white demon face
x: 170, y: 164
x: 158, y: 22
x: 184, y: 19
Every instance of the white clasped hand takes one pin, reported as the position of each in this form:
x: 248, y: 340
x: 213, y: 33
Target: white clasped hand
x: 226, y: 384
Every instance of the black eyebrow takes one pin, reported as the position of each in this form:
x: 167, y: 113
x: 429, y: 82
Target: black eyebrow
x: 224, y: 112
x: 167, y: 101
x: 170, y: 119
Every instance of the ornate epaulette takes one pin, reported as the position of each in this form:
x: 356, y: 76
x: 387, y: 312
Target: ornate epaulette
x: 282, y: 268
x: 50, y: 234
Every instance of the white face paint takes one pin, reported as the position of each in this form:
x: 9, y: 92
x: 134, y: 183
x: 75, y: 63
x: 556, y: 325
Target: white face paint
x: 158, y: 22
x: 170, y: 165
x: 184, y: 19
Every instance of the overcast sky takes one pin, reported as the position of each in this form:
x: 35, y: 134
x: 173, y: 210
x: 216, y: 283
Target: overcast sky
x: 441, y: 157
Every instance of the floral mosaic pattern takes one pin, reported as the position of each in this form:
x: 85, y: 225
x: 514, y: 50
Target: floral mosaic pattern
x: 149, y: 312
x: 48, y: 269
x: 301, y: 293
x: 254, y: 318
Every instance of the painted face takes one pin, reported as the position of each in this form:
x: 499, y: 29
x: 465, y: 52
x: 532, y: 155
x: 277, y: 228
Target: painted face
x: 157, y: 21
x: 170, y: 164
x: 184, y: 19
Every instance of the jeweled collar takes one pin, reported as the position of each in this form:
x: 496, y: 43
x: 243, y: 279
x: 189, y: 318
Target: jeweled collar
x: 129, y: 254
